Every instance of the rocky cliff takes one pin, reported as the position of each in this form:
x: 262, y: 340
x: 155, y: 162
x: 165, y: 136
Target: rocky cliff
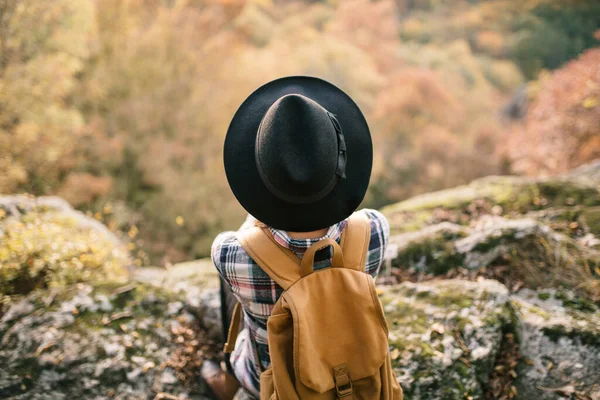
x: 492, y: 294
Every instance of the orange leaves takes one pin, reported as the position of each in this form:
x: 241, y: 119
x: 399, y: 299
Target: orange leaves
x: 491, y: 42
x: 371, y: 26
x: 562, y: 127
x: 81, y: 188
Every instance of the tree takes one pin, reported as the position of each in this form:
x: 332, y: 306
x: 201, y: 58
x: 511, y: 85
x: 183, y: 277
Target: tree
x: 43, y: 46
x: 562, y: 127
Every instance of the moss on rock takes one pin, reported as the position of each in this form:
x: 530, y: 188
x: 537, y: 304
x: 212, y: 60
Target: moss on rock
x: 430, y: 250
x: 537, y: 254
x: 445, y: 335
x: 545, y: 230
x: 45, y: 243
x: 498, y: 195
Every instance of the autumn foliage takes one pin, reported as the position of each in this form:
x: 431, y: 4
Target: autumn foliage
x: 121, y: 106
x: 562, y: 127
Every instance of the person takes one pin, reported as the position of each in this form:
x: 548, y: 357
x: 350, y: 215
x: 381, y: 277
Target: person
x: 298, y: 157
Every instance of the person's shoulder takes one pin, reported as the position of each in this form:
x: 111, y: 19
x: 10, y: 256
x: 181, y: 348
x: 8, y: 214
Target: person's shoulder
x: 375, y: 217
x: 224, y: 239
x: 224, y: 243
x: 373, y: 214
x: 379, y: 223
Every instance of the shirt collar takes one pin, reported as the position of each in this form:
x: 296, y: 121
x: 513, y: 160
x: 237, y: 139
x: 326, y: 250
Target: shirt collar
x: 283, y: 239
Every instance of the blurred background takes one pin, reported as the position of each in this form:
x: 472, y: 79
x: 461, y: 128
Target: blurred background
x: 121, y: 106
x: 113, y: 115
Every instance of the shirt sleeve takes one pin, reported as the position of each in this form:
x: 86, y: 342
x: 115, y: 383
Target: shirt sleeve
x: 220, y: 253
x: 380, y: 234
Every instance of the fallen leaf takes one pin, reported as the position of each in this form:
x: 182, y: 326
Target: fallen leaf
x: 567, y: 390
x: 438, y: 327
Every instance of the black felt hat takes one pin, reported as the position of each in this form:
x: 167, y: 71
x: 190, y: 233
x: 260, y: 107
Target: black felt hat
x: 298, y: 154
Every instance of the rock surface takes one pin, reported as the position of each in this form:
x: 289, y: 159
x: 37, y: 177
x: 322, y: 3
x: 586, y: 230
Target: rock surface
x: 560, y: 340
x: 79, y: 323
x: 546, y: 231
x: 445, y: 336
x: 134, y: 341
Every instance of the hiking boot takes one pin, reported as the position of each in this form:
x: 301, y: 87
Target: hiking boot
x: 220, y: 383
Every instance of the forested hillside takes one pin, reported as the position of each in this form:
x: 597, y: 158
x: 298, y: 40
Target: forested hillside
x: 121, y: 106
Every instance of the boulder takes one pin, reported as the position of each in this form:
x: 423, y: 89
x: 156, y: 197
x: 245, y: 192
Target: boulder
x: 560, y: 344
x: 196, y: 284
x: 445, y: 335
x: 506, y: 196
x: 546, y: 231
x: 144, y: 339
x: 588, y: 172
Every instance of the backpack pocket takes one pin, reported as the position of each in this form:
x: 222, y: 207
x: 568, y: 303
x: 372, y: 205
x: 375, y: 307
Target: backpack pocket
x: 267, y: 388
x: 337, y: 322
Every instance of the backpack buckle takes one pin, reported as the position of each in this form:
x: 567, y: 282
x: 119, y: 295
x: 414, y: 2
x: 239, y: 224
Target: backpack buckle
x: 343, y: 383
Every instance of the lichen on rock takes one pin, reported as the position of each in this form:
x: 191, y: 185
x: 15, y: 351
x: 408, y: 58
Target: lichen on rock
x: 507, y: 196
x: 445, y: 335
x: 556, y: 244
x: 560, y: 342
x: 105, y: 341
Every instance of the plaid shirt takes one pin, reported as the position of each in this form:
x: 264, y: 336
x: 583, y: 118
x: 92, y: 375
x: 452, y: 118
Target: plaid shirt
x: 258, y: 293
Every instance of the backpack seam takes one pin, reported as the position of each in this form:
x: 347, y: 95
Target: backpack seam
x: 378, y: 305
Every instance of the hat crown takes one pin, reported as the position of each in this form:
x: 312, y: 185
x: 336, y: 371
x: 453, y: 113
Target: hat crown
x: 297, y: 149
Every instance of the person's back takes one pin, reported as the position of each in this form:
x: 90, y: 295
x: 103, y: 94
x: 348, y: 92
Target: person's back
x: 258, y: 293
x: 298, y: 157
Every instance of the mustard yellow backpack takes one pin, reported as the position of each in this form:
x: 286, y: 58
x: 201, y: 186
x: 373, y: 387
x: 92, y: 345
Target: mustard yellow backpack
x: 327, y: 332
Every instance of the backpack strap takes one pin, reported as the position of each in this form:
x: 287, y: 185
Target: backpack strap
x: 234, y: 329
x: 279, y: 263
x: 308, y: 260
x: 355, y: 241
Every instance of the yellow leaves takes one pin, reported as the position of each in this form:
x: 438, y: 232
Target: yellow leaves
x: 262, y: 3
x: 179, y: 220
x: 133, y: 232
x: 47, y: 41
x: 57, y: 247
x: 107, y: 209
x: 28, y: 133
x: 590, y: 102
x: 412, y: 28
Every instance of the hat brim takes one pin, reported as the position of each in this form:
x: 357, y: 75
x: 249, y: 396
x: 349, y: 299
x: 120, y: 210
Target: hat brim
x: 244, y: 178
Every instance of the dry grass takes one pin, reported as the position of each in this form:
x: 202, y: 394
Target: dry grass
x: 565, y: 264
